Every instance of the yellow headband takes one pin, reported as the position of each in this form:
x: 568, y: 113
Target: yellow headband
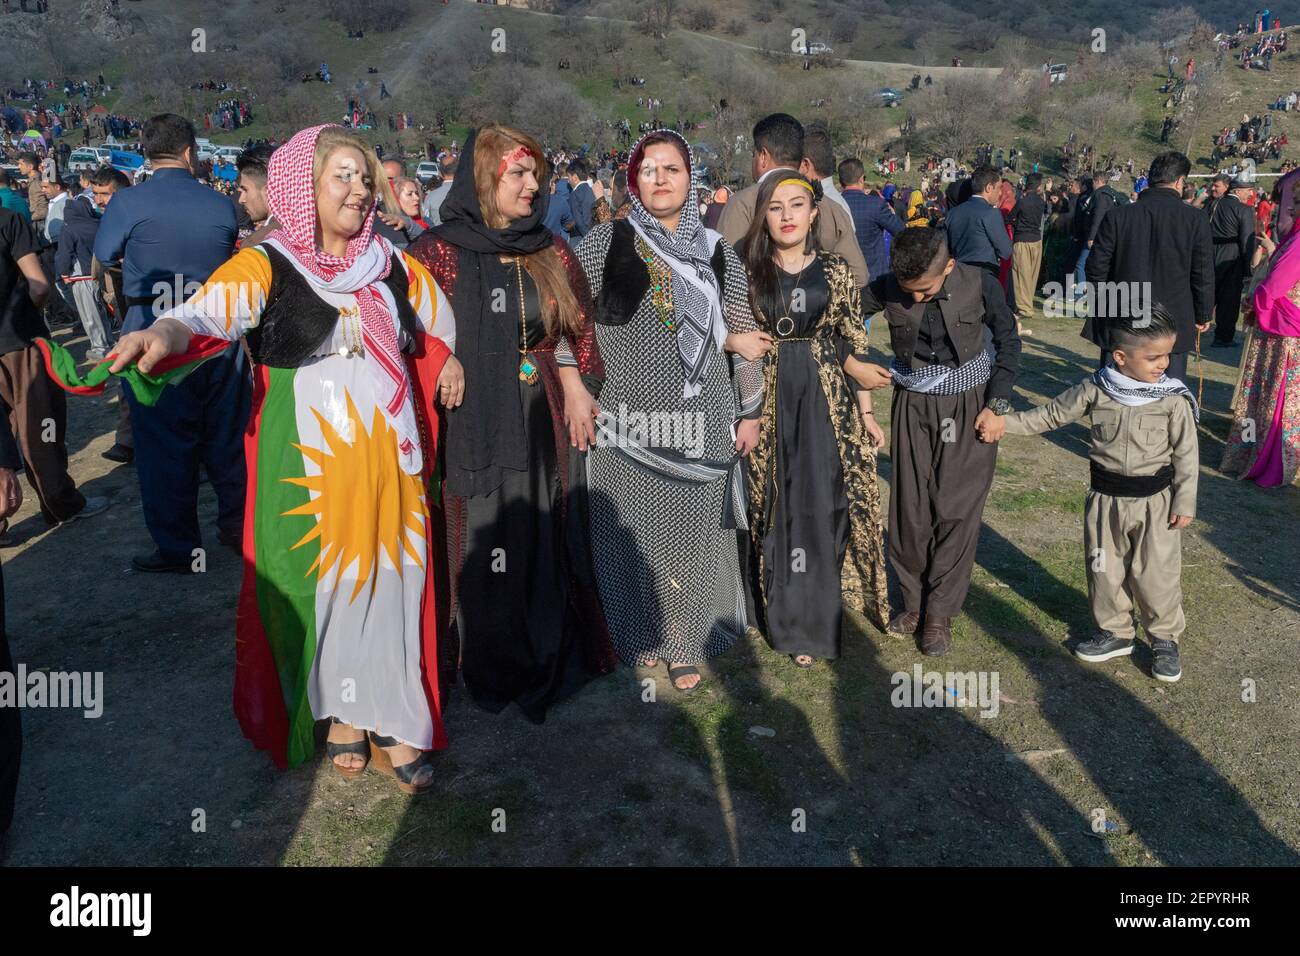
x: 797, y: 182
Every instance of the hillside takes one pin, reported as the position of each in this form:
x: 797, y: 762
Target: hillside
x: 456, y: 65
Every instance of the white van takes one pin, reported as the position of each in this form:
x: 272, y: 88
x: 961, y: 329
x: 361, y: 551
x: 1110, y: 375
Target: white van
x: 89, y: 158
x: 426, y: 171
x: 228, y: 154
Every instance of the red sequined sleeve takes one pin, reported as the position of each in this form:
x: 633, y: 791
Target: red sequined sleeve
x: 583, y: 345
x: 440, y: 258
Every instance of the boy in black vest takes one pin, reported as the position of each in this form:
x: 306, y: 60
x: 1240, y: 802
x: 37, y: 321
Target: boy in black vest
x: 950, y: 387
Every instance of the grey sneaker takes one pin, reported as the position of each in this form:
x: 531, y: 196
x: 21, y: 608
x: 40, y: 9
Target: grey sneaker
x: 1103, y: 647
x: 1165, y: 665
x: 95, y: 355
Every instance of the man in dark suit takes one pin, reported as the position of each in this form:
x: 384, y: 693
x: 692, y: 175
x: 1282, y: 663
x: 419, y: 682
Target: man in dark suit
x: 872, y: 217
x: 977, y: 233
x: 1161, y: 246
x: 582, y: 199
x: 1232, y: 230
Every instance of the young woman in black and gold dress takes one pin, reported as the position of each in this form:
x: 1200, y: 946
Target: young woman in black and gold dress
x: 814, y: 502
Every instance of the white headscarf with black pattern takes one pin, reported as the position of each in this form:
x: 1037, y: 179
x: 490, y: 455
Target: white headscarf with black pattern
x: 688, y: 250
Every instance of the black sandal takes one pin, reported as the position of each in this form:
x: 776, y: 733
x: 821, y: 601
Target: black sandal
x: 360, y: 747
x: 405, y: 774
x: 794, y: 659
x: 684, y: 670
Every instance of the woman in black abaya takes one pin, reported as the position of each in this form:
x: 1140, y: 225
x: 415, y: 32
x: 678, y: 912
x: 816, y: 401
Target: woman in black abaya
x: 523, y: 599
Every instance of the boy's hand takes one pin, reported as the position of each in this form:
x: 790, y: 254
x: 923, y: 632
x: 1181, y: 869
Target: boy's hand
x: 990, y: 426
x: 1179, y: 522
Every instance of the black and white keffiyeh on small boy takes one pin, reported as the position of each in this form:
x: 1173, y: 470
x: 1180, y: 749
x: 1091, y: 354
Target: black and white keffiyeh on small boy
x: 1129, y: 391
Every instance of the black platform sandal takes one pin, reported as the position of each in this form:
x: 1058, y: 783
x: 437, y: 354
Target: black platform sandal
x: 360, y: 747
x: 406, y: 773
x: 684, y: 670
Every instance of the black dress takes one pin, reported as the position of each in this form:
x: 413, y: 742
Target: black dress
x: 518, y: 631
x: 807, y: 520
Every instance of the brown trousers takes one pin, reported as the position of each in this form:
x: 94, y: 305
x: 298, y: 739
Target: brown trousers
x: 942, y: 473
x: 38, y: 415
x: 1135, y: 562
x: 1026, y: 263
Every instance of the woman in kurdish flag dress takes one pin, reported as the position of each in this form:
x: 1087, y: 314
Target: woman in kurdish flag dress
x: 351, y: 343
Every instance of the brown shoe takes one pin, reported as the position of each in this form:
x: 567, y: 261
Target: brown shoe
x: 905, y: 624
x: 936, y: 638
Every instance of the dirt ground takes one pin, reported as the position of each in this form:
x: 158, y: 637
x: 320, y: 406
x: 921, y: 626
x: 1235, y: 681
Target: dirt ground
x: 1093, y: 765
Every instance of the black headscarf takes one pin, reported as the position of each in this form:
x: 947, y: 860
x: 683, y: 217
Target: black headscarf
x: 487, y: 432
x: 462, y: 218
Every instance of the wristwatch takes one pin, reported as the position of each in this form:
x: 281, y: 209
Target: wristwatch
x: 998, y: 406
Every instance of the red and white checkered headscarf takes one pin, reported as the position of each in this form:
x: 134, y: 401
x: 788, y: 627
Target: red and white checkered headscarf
x: 291, y: 197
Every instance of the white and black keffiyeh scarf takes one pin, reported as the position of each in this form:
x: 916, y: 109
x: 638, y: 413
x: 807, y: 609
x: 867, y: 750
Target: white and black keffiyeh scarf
x: 1129, y: 391
x: 942, y: 380
x: 688, y: 251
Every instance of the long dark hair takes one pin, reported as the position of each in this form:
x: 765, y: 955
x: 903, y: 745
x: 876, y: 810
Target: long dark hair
x: 758, y: 251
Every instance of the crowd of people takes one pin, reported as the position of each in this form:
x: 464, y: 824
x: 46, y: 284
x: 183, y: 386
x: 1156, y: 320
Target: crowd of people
x: 518, y: 328
x: 1253, y: 138
x: 228, y: 114
x: 560, y: 410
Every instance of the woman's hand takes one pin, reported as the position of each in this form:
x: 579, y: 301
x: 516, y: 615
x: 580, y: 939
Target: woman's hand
x: 869, y: 423
x: 746, y: 435
x: 580, y: 412
x: 451, y: 383
x: 867, y: 374
x: 149, y: 347
x: 751, y: 346
x: 390, y: 220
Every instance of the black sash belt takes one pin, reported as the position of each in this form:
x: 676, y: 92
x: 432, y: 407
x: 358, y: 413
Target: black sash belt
x: 1130, y: 486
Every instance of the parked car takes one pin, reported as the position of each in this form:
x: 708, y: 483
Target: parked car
x: 1057, y: 72
x: 89, y: 158
x: 227, y: 154
x: 427, y: 170
x: 889, y: 96
x: 819, y: 49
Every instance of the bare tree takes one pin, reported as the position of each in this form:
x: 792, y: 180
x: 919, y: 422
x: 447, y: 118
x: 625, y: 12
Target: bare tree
x: 958, y: 117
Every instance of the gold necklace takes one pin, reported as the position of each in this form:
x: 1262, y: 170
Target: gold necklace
x: 781, y: 291
x: 527, y: 370
x: 349, y: 317
x: 661, y: 284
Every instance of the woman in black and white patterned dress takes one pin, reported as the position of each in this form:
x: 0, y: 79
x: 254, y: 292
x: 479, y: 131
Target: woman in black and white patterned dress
x: 665, y: 481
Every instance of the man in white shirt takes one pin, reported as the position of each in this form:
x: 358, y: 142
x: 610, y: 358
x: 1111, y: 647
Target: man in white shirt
x: 55, y: 197
x: 432, y: 202
x: 819, y: 162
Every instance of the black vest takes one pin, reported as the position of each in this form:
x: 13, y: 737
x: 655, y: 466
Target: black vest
x: 295, y: 320
x: 963, y: 314
x: 626, y: 279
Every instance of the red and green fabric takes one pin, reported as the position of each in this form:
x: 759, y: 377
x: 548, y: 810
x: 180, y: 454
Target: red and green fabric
x: 146, y: 387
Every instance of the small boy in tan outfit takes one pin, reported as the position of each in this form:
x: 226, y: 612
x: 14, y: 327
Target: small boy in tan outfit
x: 1144, y: 462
